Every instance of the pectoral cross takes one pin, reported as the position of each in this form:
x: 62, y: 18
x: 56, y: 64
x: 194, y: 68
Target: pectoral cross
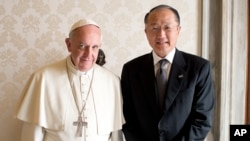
x: 80, y: 123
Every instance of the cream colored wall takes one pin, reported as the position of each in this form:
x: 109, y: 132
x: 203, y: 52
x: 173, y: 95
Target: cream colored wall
x: 32, y: 34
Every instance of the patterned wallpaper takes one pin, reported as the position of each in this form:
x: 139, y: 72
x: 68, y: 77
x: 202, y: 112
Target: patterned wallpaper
x: 32, y: 34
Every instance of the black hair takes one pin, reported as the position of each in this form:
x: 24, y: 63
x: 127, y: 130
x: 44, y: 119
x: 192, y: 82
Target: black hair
x: 101, y: 58
x: 163, y: 6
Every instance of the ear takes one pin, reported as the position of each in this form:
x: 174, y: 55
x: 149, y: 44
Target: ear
x: 67, y: 41
x: 179, y: 29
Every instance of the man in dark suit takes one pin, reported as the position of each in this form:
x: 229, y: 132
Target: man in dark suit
x: 184, y: 111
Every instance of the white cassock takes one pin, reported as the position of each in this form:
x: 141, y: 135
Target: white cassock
x: 48, y: 106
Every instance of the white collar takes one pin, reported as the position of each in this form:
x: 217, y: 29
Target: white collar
x: 169, y: 57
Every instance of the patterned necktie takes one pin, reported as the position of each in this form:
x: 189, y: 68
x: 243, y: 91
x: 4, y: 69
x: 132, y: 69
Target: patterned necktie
x: 161, y: 78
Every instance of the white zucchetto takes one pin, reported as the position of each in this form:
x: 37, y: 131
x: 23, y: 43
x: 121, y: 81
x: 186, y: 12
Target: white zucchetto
x: 83, y: 22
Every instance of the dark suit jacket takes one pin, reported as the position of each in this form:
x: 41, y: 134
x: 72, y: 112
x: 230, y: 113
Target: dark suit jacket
x: 189, y: 101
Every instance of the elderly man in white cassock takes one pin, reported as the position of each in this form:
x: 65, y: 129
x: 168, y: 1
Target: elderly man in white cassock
x: 73, y: 99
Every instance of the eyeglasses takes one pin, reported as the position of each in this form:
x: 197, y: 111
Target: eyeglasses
x: 165, y: 28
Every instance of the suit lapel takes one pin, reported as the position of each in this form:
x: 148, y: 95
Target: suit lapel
x: 147, y: 77
x: 176, y: 77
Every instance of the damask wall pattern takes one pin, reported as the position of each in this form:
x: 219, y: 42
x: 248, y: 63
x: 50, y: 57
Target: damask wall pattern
x: 32, y: 34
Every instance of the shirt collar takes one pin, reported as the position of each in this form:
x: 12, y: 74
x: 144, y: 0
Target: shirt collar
x: 169, y: 57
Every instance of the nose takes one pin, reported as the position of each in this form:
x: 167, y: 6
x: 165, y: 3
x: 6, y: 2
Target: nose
x: 161, y: 33
x: 87, y: 51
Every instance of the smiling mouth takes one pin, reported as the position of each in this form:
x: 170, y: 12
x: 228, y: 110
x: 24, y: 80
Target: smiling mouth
x: 84, y: 59
x: 161, y: 43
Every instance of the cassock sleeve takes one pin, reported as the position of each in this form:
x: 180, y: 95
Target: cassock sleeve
x: 117, y: 136
x: 31, y: 132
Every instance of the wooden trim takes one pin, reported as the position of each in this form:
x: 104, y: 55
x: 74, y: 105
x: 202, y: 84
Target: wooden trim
x: 248, y: 70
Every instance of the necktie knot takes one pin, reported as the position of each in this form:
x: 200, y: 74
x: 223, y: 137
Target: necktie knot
x: 162, y: 63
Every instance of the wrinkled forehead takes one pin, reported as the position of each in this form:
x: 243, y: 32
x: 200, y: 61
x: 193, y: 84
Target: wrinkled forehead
x: 86, y: 35
x: 86, y: 32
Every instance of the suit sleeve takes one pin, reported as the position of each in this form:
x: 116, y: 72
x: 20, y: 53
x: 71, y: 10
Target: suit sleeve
x: 203, y: 105
x: 130, y: 130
